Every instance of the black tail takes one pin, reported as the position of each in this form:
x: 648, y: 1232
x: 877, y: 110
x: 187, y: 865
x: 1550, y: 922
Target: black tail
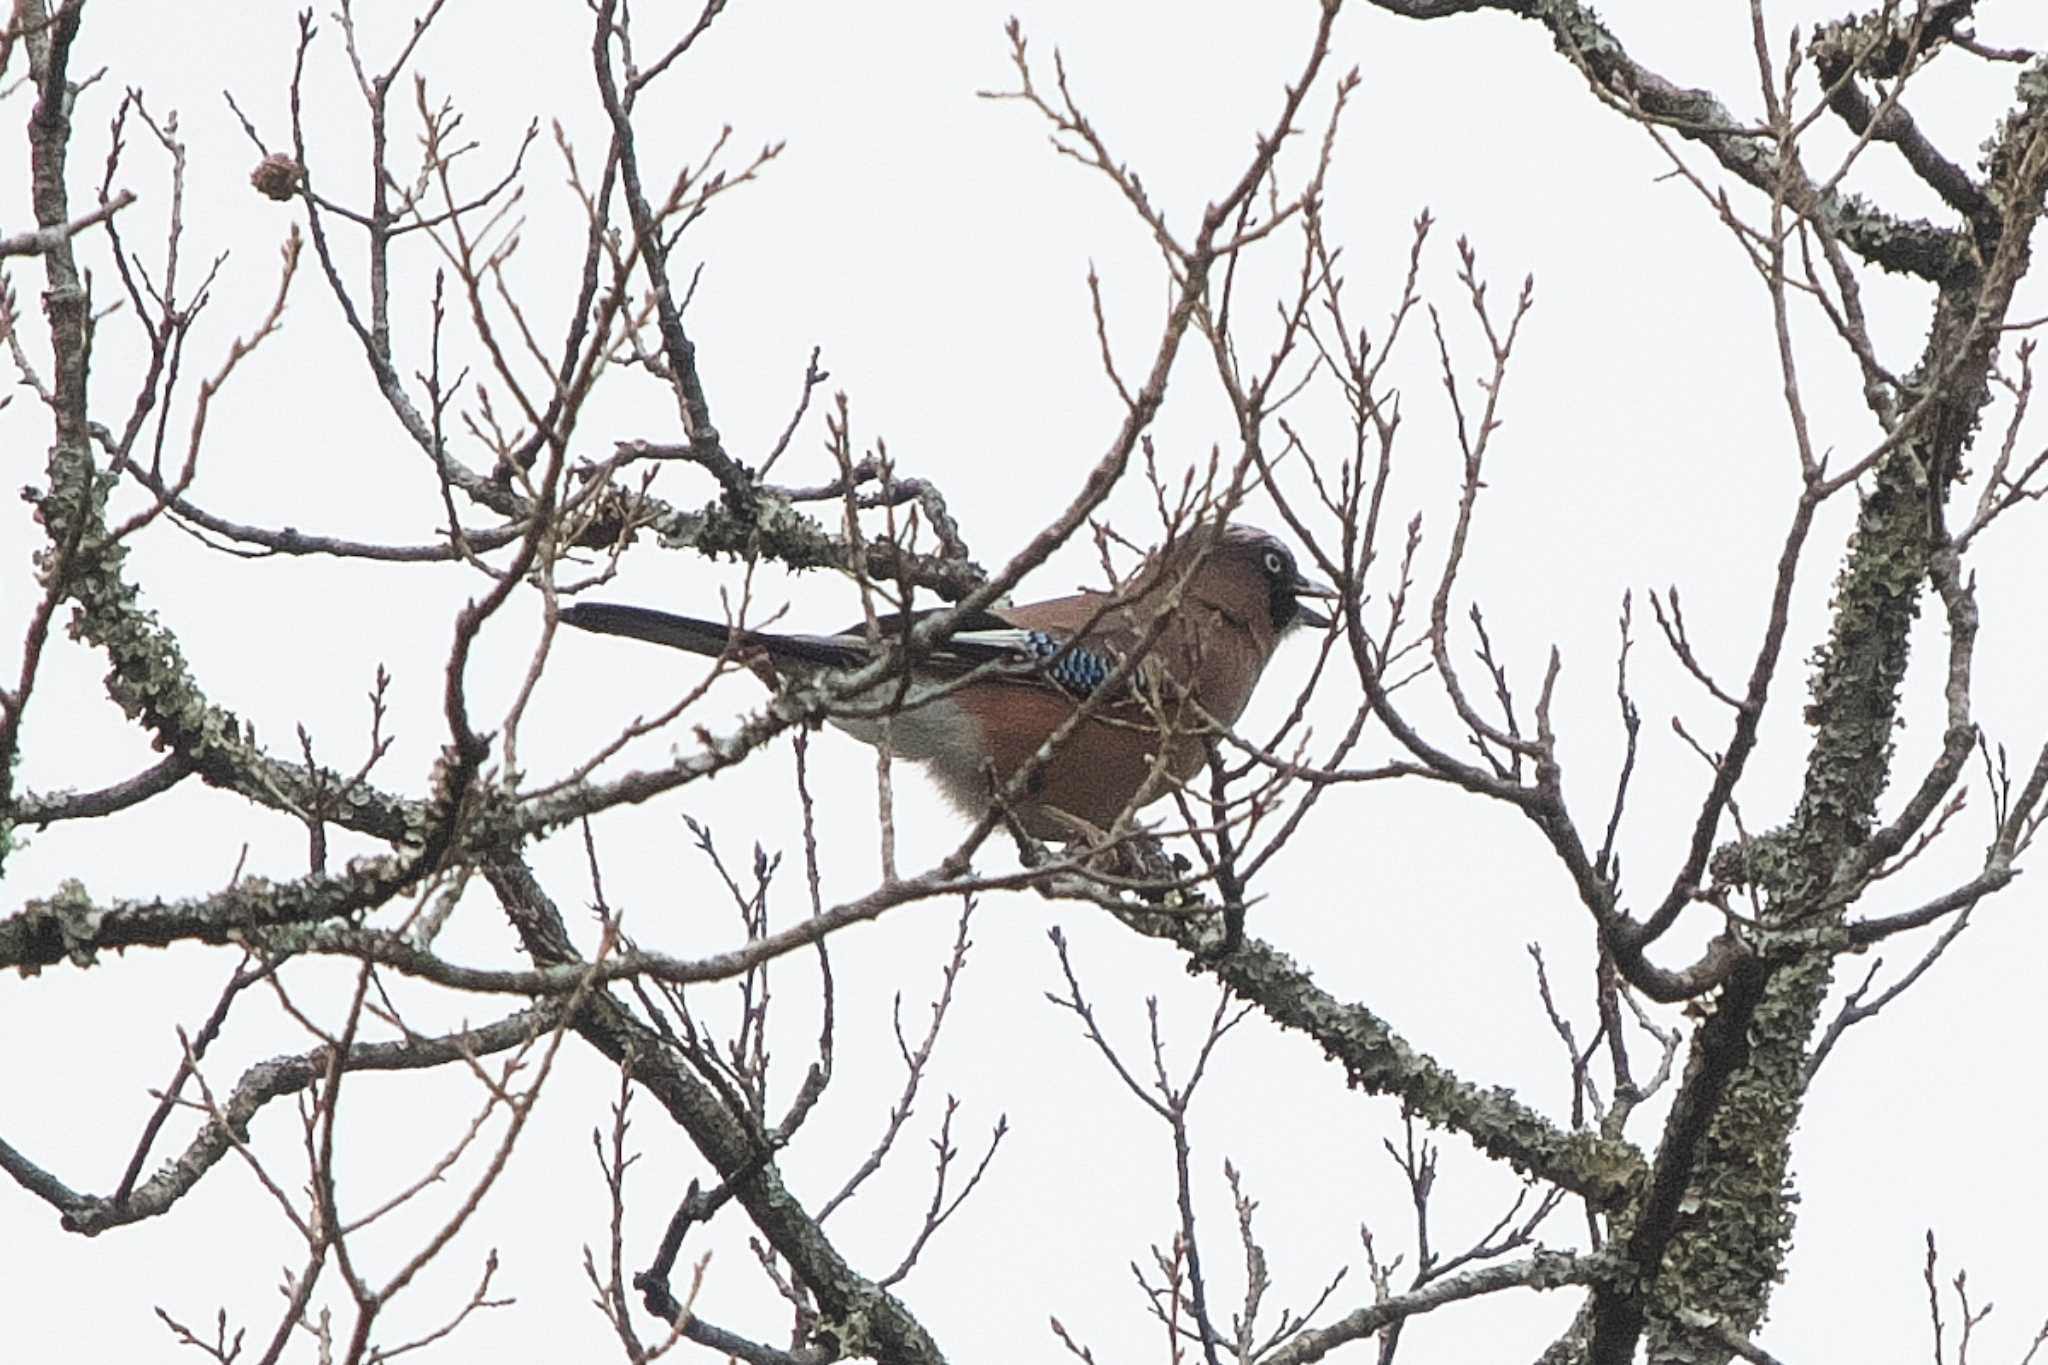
x: 709, y: 637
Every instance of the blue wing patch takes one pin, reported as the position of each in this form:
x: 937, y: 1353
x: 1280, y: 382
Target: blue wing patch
x: 1080, y: 670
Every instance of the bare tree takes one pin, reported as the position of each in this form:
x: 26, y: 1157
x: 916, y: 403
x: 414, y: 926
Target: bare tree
x: 1660, y: 1201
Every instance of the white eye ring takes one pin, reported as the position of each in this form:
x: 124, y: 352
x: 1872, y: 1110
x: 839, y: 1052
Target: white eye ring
x: 1275, y: 565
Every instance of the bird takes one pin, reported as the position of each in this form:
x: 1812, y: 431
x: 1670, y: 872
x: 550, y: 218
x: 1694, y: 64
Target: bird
x: 1229, y: 595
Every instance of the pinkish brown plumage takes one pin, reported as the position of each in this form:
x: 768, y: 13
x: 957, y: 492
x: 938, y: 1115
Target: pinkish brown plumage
x: 1227, y: 601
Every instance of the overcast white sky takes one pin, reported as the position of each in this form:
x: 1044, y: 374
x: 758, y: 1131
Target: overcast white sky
x: 936, y: 249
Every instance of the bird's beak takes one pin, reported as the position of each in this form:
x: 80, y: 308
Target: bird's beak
x: 1309, y: 587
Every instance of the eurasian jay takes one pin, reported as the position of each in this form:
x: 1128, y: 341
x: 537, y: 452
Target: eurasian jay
x: 1228, y: 599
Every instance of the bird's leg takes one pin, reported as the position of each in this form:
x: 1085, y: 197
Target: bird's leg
x: 1074, y: 829
x: 1134, y: 857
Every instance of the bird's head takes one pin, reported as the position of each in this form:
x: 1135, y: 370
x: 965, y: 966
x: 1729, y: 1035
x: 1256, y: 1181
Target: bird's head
x: 1259, y: 556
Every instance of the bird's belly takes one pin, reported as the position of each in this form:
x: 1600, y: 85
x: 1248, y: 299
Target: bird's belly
x: 1104, y: 768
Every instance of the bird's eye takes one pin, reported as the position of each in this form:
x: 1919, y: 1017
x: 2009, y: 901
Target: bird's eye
x: 1275, y: 565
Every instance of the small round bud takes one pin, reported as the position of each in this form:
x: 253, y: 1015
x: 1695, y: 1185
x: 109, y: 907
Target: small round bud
x: 278, y: 177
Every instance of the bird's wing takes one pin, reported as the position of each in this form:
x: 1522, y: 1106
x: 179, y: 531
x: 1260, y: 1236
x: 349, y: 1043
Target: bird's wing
x: 1076, y: 666
x: 1004, y: 635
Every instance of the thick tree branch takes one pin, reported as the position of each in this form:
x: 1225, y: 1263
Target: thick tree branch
x: 1915, y: 247
x: 860, y: 1318
x: 1379, y: 1061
